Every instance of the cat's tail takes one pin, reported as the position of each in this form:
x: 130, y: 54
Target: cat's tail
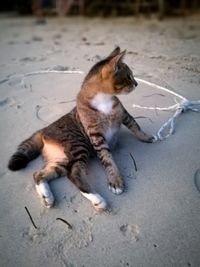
x: 26, y: 151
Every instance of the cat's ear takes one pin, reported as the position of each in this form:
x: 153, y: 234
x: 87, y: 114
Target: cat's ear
x: 115, y: 52
x: 118, y: 58
x: 111, y: 66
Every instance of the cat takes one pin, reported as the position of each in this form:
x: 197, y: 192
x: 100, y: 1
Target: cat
x: 67, y: 144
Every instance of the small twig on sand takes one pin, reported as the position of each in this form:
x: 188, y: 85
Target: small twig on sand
x: 64, y: 221
x: 134, y: 162
x: 154, y: 94
x: 143, y: 117
x: 66, y: 102
x: 38, y: 107
x: 30, y: 217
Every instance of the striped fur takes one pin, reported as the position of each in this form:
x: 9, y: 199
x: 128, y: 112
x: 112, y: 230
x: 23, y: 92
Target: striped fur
x: 89, y: 128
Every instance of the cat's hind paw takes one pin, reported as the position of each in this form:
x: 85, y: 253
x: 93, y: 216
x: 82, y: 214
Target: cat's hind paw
x: 98, y: 201
x: 45, y: 194
x: 100, y: 206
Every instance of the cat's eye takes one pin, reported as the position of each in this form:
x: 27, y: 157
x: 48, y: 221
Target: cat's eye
x: 129, y: 77
x: 116, y: 69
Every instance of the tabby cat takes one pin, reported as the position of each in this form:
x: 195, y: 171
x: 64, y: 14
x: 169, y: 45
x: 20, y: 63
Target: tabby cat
x: 89, y: 128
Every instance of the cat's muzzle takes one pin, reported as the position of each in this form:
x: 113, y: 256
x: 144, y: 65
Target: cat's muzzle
x: 129, y: 89
x: 135, y: 84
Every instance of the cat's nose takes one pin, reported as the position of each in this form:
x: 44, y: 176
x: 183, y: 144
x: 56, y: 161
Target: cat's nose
x: 135, y: 83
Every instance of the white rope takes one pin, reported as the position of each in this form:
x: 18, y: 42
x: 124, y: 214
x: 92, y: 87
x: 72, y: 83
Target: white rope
x: 53, y: 71
x: 160, y: 87
x: 56, y: 69
x: 179, y: 108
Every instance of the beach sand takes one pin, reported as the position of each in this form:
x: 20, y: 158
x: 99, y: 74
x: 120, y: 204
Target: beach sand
x: 156, y: 221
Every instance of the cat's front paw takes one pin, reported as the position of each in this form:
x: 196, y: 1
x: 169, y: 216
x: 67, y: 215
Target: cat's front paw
x: 149, y: 139
x: 116, y: 186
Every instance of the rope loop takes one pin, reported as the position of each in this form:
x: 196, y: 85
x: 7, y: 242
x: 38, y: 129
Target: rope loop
x: 179, y: 107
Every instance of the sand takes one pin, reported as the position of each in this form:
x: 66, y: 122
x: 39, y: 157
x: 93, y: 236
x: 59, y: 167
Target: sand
x: 156, y: 221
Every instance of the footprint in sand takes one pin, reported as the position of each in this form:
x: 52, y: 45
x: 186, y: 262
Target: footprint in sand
x: 9, y: 102
x: 11, y: 42
x: 130, y: 231
x: 37, y: 39
x: 32, y: 59
x: 28, y: 59
x: 71, y: 237
x: 33, y: 236
x: 65, y: 239
x: 15, y: 80
x: 125, y: 263
x: 57, y: 36
x: 81, y: 235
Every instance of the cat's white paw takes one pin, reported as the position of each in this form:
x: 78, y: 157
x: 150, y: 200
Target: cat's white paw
x: 117, y: 190
x: 45, y: 194
x: 98, y: 202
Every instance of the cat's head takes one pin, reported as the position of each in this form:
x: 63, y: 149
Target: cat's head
x: 114, y: 75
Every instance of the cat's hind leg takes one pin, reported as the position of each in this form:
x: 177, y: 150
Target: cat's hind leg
x: 76, y: 174
x: 48, y: 172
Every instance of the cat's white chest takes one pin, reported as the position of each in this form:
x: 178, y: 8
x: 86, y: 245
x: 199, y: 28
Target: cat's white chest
x: 103, y: 103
